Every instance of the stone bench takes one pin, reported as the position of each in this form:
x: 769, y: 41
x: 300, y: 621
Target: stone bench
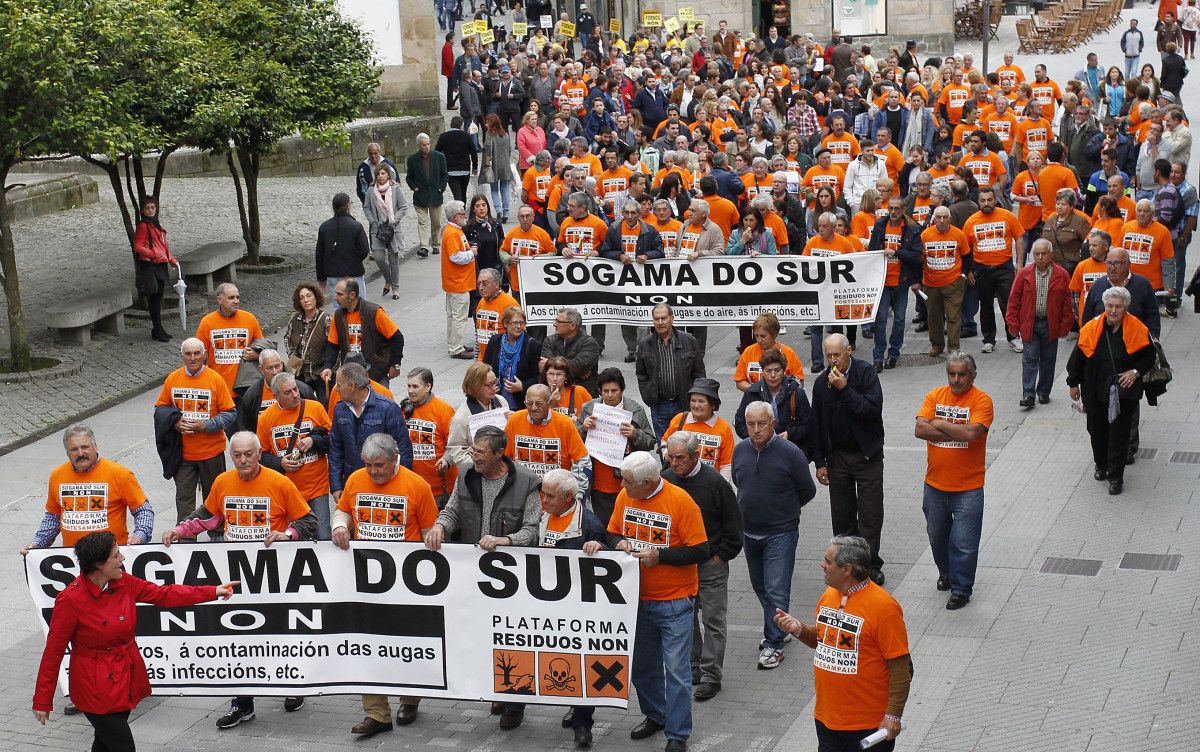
x: 211, y: 264
x: 72, y: 319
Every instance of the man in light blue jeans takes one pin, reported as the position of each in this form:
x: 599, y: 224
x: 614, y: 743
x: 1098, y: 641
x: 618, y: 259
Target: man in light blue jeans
x: 954, y: 421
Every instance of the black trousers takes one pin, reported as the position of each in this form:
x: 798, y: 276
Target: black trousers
x: 856, y: 498
x: 1110, y: 441
x: 458, y: 186
x: 829, y: 740
x: 994, y: 283
x: 603, y: 505
x: 112, y: 732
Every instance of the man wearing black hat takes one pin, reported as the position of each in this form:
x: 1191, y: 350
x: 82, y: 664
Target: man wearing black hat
x: 908, y: 58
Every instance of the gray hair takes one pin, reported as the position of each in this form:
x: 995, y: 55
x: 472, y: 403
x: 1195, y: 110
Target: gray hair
x: 355, y: 376
x: 454, y: 207
x: 941, y: 211
x: 243, y: 437
x: 640, y: 467
x: 839, y: 338
x: 491, y: 273
x: 958, y: 356
x: 543, y: 156
x: 572, y: 314
x: 942, y: 191
x: 637, y: 208
x: 268, y: 352
x: 379, y: 446
x: 760, y: 161
x: 829, y: 217
x: 76, y: 430
x: 854, y: 551
x: 281, y: 381
x: 696, y: 208
x: 579, y: 141
x: 1102, y: 236
x: 579, y: 198
x: 491, y: 436
x: 1066, y: 194
x: 422, y: 137
x: 191, y: 340
x: 764, y: 202
x: 562, y: 481
x: 1116, y: 293
x: 758, y: 406
x: 663, y: 202
x: 688, y: 439
x: 222, y: 288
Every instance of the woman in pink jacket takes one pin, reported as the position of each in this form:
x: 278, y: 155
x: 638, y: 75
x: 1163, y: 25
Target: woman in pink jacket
x: 152, y: 257
x: 530, y: 140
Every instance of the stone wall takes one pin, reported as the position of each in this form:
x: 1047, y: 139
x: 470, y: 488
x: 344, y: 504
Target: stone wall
x: 414, y: 85
x: 46, y: 194
x: 930, y: 22
x: 295, y: 156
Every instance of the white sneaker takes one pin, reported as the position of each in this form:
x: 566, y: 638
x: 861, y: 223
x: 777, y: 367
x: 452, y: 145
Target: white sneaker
x: 769, y: 658
x: 1016, y: 345
x: 783, y: 330
x: 987, y: 347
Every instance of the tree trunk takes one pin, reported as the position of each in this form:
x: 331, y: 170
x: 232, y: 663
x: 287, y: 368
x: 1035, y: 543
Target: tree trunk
x: 160, y: 169
x: 18, y: 336
x: 251, y: 255
x: 114, y: 179
x: 250, y: 165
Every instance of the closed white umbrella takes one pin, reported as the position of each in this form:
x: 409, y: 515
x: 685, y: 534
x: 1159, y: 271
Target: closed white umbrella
x: 181, y: 291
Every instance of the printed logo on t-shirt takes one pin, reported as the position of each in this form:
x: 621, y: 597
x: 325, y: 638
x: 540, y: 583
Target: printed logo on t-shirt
x: 84, y: 506
x: 195, y: 404
x: 581, y: 236
x: 839, y: 152
x: 487, y: 323
x: 1139, y: 246
x: 670, y: 240
x: 1002, y: 128
x: 825, y: 181
x: 959, y: 414
x: 921, y: 213
x: 823, y: 252
x: 941, y: 255
x: 991, y: 236
x: 613, y: 185
x: 281, y: 436
x: 228, y: 344
x: 982, y: 170
x: 1089, y: 279
x: 891, y: 242
x: 247, y: 518
x: 687, y: 242
x: 538, y: 453
x: 355, y: 337
x: 837, y: 641
x: 1043, y: 95
x: 421, y: 433
x: 710, y: 445
x: 541, y: 184
x: 629, y: 242
x: 525, y: 247
x: 381, y: 516
x: 1008, y: 77
x: 1036, y: 139
x: 645, y: 529
x: 957, y: 97
x: 753, y: 371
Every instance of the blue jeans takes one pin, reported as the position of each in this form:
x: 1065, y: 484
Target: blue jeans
x: 770, y: 561
x: 895, y: 301
x: 1131, y: 66
x: 320, y: 509
x: 817, y: 347
x: 954, y: 521
x: 662, y: 672
x: 970, y: 307
x: 662, y: 413
x: 501, y: 190
x: 1037, y: 361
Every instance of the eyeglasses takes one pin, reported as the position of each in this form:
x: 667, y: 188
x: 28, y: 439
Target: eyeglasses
x: 536, y: 403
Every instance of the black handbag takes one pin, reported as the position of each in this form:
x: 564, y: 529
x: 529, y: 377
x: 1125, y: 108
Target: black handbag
x: 385, y: 233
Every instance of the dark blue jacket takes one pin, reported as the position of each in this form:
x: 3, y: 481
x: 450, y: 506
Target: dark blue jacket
x: 792, y: 411
x: 772, y: 485
x: 863, y: 400
x: 593, y: 124
x: 379, y: 415
x: 649, y: 242
x: 593, y: 530
x: 729, y: 186
x: 911, y: 251
x: 652, y: 106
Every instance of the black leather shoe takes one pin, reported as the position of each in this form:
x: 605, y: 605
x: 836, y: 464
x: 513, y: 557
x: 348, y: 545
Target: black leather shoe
x: 630, y: 357
x: 1043, y: 399
x: 706, y: 691
x: 1100, y: 474
x: 676, y: 745
x: 583, y: 737
x: 878, y: 366
x: 1026, y: 402
x: 292, y: 704
x: 1115, y: 486
x: 510, y: 719
x: 943, y: 583
x: 921, y: 327
x: 497, y: 708
x: 957, y: 601
x: 369, y: 727
x: 568, y: 719
x: 406, y: 715
x: 645, y: 729
x: 877, y: 577
x: 889, y: 364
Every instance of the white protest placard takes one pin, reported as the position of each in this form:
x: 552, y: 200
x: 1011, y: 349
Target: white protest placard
x: 605, y: 442
x: 546, y: 22
x: 532, y: 625
x: 497, y: 418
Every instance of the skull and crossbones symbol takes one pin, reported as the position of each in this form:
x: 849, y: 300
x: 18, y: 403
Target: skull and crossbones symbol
x: 559, y: 676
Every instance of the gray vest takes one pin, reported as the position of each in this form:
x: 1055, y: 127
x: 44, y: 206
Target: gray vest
x: 508, y: 511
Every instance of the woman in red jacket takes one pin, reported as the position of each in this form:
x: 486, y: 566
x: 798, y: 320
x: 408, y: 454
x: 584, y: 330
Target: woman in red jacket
x: 97, y: 615
x: 152, y: 257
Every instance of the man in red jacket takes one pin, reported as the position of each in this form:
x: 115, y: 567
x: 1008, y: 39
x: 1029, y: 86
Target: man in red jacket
x: 1040, y: 310
x: 448, y: 71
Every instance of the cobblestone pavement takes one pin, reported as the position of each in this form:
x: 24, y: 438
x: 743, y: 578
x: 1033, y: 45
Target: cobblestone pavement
x: 1035, y: 662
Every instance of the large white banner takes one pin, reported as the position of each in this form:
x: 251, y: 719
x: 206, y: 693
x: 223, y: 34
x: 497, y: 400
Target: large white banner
x: 518, y: 624
x: 718, y: 290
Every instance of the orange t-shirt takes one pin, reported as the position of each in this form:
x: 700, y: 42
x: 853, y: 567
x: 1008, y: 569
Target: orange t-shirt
x: 394, y: 511
x: 1147, y: 247
x: 961, y: 130
x: 1048, y: 94
x: 571, y: 407
x: 893, y: 160
x: 818, y: 177
x: 1027, y: 214
x: 198, y: 397
x: 837, y: 245
x: 861, y: 225
x: 843, y: 149
x: 1033, y: 135
x: 225, y: 338
x: 942, y: 176
x: 893, y: 234
x: 487, y: 319
x: 456, y: 277
x: 957, y: 465
x: 574, y: 92
x: 383, y: 324
x: 589, y: 160
x: 752, y: 186
x: 429, y: 430
x: 586, y: 234
x: 987, y: 167
x: 921, y: 209
x: 1125, y: 205
x: 93, y: 501
x: 748, y: 368
x: 1004, y: 126
x: 253, y: 508
x: 1012, y: 74
x: 1087, y: 271
x: 716, y: 441
x: 943, y: 255
x: 543, y: 448
x: 629, y: 238
x: 536, y: 184
x: 335, y: 396
x: 723, y: 213
x: 991, y: 236
x: 669, y: 231
x: 521, y: 244
x: 612, y: 182
x: 954, y: 97
x: 854, y: 644
x: 275, y: 429
x: 1051, y: 180
x: 668, y: 519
